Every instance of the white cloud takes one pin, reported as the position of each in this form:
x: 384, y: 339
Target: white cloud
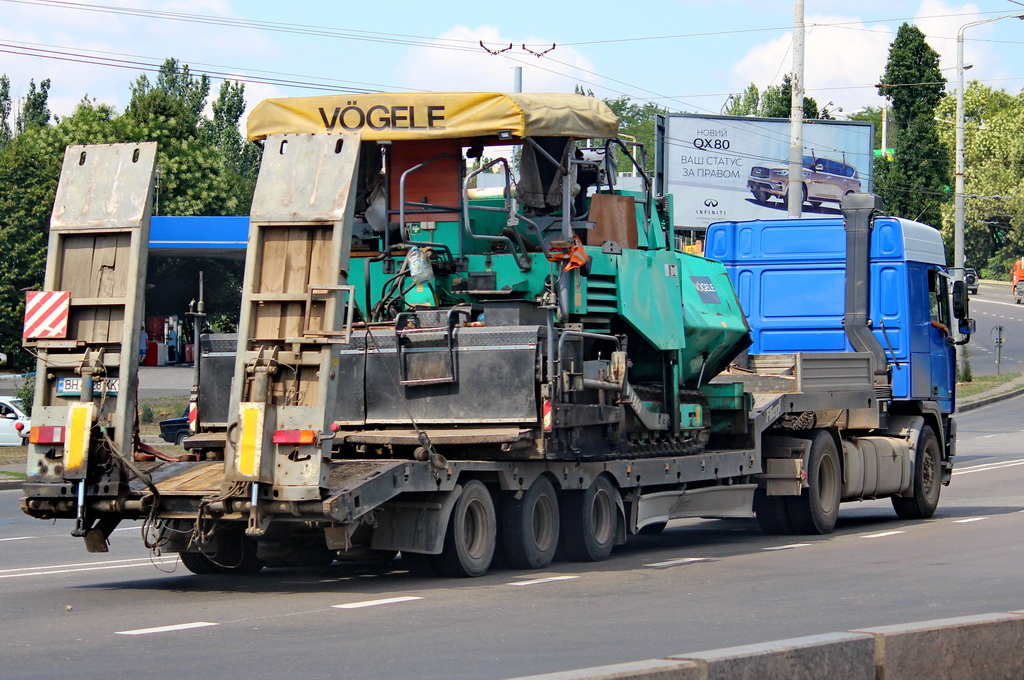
x: 55, y: 43
x: 843, y: 59
x: 470, y: 68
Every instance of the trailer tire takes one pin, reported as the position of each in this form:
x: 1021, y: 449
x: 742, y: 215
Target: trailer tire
x: 419, y: 564
x: 470, y: 538
x: 237, y: 555
x: 772, y: 515
x: 816, y: 509
x: 590, y: 521
x: 927, y: 479
x: 198, y: 563
x: 529, y: 526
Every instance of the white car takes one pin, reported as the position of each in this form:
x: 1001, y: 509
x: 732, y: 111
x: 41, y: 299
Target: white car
x: 14, y: 424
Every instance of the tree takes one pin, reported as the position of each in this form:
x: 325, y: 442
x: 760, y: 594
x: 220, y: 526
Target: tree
x: 913, y: 184
x: 994, y: 177
x: 636, y: 120
x: 35, y: 112
x: 198, y: 177
x: 774, y: 102
x: 5, y: 111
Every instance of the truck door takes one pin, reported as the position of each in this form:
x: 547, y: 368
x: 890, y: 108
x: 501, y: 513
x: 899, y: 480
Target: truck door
x: 942, y: 355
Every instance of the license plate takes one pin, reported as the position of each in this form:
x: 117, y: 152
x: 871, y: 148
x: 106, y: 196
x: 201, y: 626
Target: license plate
x: 71, y: 387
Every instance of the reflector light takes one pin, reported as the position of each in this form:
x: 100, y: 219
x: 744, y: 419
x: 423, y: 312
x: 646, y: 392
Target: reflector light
x: 250, y: 441
x: 46, y: 434
x: 294, y: 436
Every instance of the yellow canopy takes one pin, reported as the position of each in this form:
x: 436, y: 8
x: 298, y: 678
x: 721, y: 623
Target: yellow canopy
x: 434, y: 115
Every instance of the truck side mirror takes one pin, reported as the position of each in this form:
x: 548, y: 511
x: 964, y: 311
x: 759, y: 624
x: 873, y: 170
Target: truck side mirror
x: 960, y: 300
x: 967, y: 326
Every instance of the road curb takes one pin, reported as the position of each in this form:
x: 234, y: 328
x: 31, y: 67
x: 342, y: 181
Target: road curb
x: 970, y: 406
x: 7, y: 484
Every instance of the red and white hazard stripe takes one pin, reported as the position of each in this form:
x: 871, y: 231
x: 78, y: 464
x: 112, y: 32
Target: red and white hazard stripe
x: 546, y: 416
x: 193, y: 413
x: 46, y: 314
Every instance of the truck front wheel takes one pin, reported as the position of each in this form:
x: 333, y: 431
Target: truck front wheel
x: 927, y: 479
x: 529, y: 526
x: 816, y: 509
x: 470, y: 539
x: 589, y: 521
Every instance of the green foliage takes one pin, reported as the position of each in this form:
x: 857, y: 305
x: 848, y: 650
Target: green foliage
x: 25, y: 390
x: 994, y: 177
x: 5, y: 111
x: 146, y: 413
x: 35, y: 111
x: 964, y: 373
x: 205, y: 169
x: 774, y: 102
x: 636, y: 120
x: 913, y: 184
x: 871, y: 114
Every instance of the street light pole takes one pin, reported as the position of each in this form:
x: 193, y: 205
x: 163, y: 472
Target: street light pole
x: 958, y: 189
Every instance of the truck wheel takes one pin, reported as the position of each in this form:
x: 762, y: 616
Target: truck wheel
x: 927, y: 479
x: 771, y: 513
x: 237, y: 555
x: 589, y: 521
x: 529, y: 526
x: 198, y: 563
x: 470, y: 538
x: 815, y: 510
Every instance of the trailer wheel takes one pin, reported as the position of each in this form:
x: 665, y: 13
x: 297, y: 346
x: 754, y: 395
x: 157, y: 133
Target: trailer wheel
x: 470, y: 539
x: 198, y: 563
x: 927, y: 479
x: 771, y: 513
x: 236, y: 555
x: 529, y: 526
x: 816, y: 509
x: 589, y: 521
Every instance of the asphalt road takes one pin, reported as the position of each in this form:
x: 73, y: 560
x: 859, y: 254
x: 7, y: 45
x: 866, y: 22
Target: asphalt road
x: 993, y: 306
x: 701, y: 585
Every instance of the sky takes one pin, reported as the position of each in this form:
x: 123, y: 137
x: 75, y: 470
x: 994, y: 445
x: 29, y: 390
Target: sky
x: 685, y: 55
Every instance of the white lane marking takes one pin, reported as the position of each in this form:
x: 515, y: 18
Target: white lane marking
x: 883, y: 534
x: 535, y: 581
x: 166, y: 629
x: 985, y: 467
x: 988, y: 436
x: 788, y: 547
x: 969, y: 519
x: 993, y: 302
x: 17, y: 538
x: 127, y: 529
x: 677, y: 562
x: 374, y: 603
x: 85, y: 566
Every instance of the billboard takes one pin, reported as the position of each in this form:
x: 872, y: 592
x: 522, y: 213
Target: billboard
x: 737, y: 168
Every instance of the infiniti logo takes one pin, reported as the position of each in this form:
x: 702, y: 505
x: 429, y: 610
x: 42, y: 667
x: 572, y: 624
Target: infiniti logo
x: 711, y: 203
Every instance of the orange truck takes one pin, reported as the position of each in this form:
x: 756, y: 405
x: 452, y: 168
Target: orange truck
x: 1017, y: 281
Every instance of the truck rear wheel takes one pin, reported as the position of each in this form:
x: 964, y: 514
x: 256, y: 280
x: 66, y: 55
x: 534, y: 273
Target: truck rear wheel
x: 529, y: 526
x: 589, y: 521
x: 470, y: 538
x: 816, y: 509
x: 927, y: 479
x: 235, y: 555
x: 772, y: 515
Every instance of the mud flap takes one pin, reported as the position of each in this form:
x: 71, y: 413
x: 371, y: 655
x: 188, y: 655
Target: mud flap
x: 415, y: 524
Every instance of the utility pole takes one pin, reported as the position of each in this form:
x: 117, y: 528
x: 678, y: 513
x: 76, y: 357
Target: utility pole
x: 796, y: 118
x: 517, y: 78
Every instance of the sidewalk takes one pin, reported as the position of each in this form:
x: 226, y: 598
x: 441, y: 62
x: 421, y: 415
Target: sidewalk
x: 1012, y: 389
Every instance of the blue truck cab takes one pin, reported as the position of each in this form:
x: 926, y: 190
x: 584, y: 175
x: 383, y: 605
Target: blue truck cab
x: 790, y: 275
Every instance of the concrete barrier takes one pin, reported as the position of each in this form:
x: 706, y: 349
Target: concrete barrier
x: 980, y: 647
x: 652, y: 669
x: 989, y: 646
x: 836, y: 656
